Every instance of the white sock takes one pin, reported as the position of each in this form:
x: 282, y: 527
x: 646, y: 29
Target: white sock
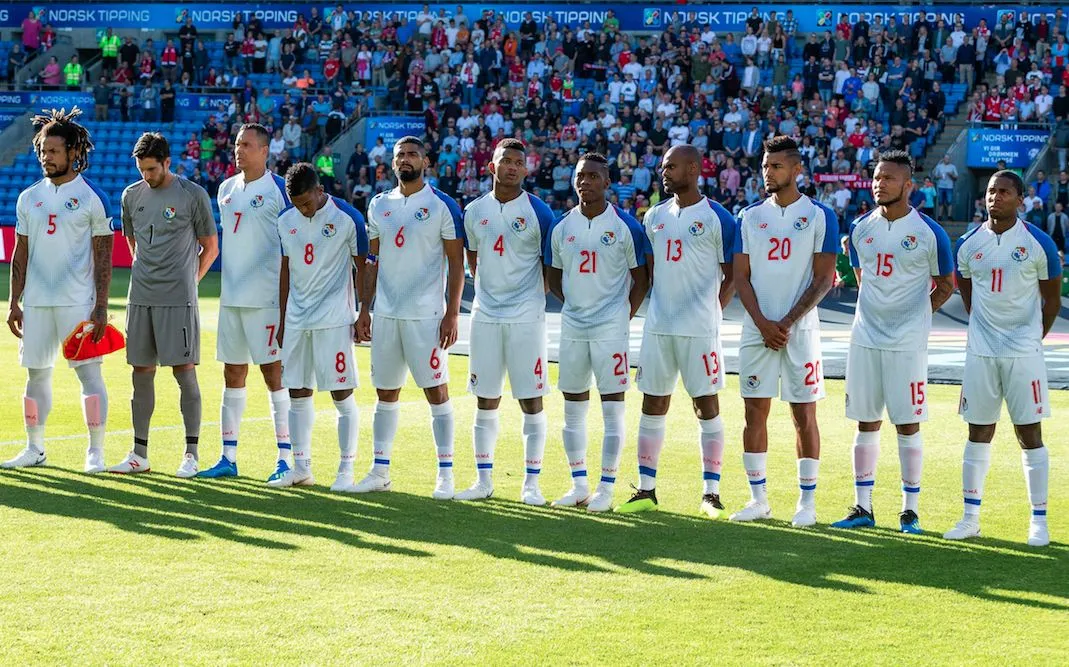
x: 484, y: 437
x: 711, y: 441
x: 650, y: 443
x: 754, y: 464
x: 866, y: 453
x: 442, y: 427
x: 348, y: 432
x: 534, y: 446
x: 1036, y: 464
x: 911, y: 459
x: 280, y: 415
x: 807, y: 482
x: 94, y: 403
x: 574, y: 437
x: 302, y: 420
x: 383, y: 430
x: 37, y: 403
x: 612, y: 442
x: 974, y: 465
x: 230, y: 420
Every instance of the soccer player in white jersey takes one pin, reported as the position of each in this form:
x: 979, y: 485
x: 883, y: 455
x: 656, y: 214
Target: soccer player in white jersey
x: 61, y: 269
x: 784, y: 265
x: 415, y: 230
x: 1009, y: 275
x: 690, y: 240
x: 249, y: 205
x: 322, y: 236
x: 505, y: 230
x: 597, y: 267
x: 896, y: 252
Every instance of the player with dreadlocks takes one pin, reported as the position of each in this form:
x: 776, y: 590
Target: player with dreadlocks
x: 61, y: 270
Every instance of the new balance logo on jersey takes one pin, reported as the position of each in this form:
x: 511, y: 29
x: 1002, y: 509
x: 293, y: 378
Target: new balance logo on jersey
x: 72, y: 204
x: 1019, y: 254
x: 484, y: 222
x: 293, y: 231
x: 226, y: 202
x: 910, y: 242
x: 570, y: 239
x: 422, y: 214
x: 978, y: 255
x: 342, y: 379
x: 39, y: 204
x: 257, y: 201
x: 868, y: 241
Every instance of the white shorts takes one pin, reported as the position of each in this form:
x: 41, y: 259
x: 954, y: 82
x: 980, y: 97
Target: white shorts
x: 794, y: 373
x: 44, y: 328
x: 884, y: 378
x: 664, y: 358
x: 247, y: 335
x: 1021, y: 381
x: 518, y: 348
x: 399, y: 346
x: 319, y: 359
x: 605, y: 360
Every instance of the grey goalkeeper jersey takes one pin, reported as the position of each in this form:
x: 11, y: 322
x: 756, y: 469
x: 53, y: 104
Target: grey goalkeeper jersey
x: 165, y: 223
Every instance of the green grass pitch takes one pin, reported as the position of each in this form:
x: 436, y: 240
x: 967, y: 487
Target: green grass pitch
x: 155, y: 570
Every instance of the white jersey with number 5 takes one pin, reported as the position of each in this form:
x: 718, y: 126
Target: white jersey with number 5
x: 411, y: 260
x: 898, y: 260
x: 781, y: 242
x: 509, y: 238
x: 60, y: 223
x: 1005, y: 269
x: 687, y: 245
x: 596, y: 256
x: 248, y: 213
x: 320, y: 251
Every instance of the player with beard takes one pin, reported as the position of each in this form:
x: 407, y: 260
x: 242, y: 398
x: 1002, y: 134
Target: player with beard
x: 897, y: 252
x: 689, y: 240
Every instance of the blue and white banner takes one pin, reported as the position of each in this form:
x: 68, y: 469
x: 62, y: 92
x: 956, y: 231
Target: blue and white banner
x: 1018, y: 148
x: 652, y: 16
x: 47, y: 99
x: 392, y: 128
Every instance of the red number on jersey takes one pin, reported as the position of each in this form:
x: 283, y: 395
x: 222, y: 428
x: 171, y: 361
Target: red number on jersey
x: 339, y: 362
x: 237, y: 220
x: 538, y: 367
x: 309, y: 253
x: 916, y: 390
x: 781, y: 249
x: 499, y: 245
x: 51, y: 224
x: 399, y: 240
x: 590, y: 261
x: 621, y: 363
x: 271, y: 335
x: 812, y: 377
x: 883, y: 264
x: 996, y: 280
x: 712, y: 363
x: 677, y: 246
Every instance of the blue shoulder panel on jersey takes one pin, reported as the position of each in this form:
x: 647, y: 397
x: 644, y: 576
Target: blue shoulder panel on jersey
x: 285, y: 210
x: 957, y: 249
x: 470, y: 205
x: 454, y: 210
x: 831, y: 234
x: 737, y: 250
x: 855, y: 261
x: 542, y: 212
x: 942, y: 245
x: 1054, y: 264
x: 728, y: 229
x: 638, y: 234
x: 358, y: 221
x: 281, y: 183
x: 547, y: 242
x: 104, y: 201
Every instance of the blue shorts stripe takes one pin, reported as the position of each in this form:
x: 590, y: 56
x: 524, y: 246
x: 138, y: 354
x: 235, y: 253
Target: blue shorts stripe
x: 711, y: 475
x: 608, y: 480
x: 972, y: 501
x: 807, y: 487
x: 285, y: 445
x: 484, y: 466
x: 647, y: 471
x: 1039, y: 512
x: 911, y: 489
x: 578, y: 473
x: 534, y: 471
x: 753, y: 483
x: 381, y: 462
x: 870, y: 482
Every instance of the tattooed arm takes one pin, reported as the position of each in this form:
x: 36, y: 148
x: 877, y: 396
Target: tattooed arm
x: 102, y: 265
x: 19, y: 260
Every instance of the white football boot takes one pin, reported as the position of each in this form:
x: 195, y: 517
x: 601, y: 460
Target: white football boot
x: 478, y: 491
x: 371, y: 484
x: 577, y: 497
x: 94, y: 461
x: 189, y: 468
x: 30, y: 456
x: 131, y: 465
x: 963, y: 530
x: 752, y: 511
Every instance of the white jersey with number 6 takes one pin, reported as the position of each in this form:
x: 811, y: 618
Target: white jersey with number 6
x: 248, y: 213
x: 320, y: 251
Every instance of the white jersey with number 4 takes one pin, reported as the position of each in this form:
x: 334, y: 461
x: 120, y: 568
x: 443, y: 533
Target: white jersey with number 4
x: 320, y: 251
x: 509, y: 238
x: 1005, y: 269
x: 248, y: 213
x: 596, y: 256
x: 687, y: 245
x: 60, y: 223
x: 781, y: 242
x: 411, y: 260
x: 897, y: 260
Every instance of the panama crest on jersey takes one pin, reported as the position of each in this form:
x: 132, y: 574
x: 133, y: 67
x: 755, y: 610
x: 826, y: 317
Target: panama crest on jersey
x: 329, y: 230
x: 697, y: 229
x: 169, y: 213
x: 608, y: 238
x: 72, y: 204
x: 801, y: 223
x: 1019, y: 254
x: 753, y: 382
x: 422, y: 214
x: 519, y: 224
x: 257, y: 201
x: 909, y: 242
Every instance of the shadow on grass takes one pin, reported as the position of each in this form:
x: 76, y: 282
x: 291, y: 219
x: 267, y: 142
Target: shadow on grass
x: 660, y: 543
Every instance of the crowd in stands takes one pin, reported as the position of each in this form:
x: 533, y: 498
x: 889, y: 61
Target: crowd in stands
x: 844, y: 94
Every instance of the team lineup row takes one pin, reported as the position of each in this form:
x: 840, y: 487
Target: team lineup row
x: 295, y: 315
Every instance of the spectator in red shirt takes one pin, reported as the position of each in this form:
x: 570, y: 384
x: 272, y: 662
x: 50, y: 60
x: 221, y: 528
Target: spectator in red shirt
x: 48, y: 37
x: 169, y: 61
x: 331, y: 66
x: 148, y: 67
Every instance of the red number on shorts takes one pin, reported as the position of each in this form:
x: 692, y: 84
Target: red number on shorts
x: 399, y: 240
x: 538, y: 367
x: 916, y: 390
x: 883, y: 264
x: 309, y: 253
x: 1037, y: 396
x: 996, y: 280
x: 712, y: 363
x: 677, y: 244
x: 339, y: 362
x: 813, y: 376
x: 51, y: 224
x: 621, y: 363
x: 499, y: 245
x: 590, y: 261
x: 237, y: 220
x: 271, y: 335
x: 435, y: 360
x: 781, y: 249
